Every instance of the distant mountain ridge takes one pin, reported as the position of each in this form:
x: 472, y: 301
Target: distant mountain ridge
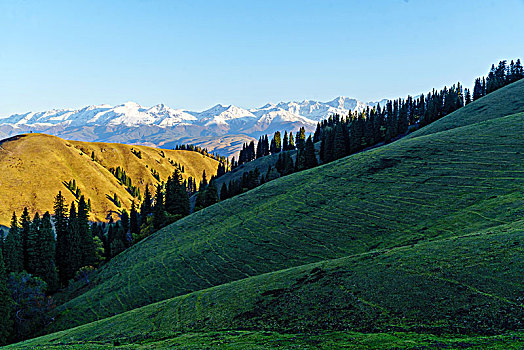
x: 223, y: 128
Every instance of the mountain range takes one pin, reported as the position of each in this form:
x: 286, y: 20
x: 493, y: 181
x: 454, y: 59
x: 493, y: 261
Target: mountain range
x: 221, y: 129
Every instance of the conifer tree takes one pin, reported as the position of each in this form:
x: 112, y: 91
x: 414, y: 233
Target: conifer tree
x: 468, y: 97
x: 177, y: 199
x: 328, y: 149
x: 124, y: 222
x: 291, y: 145
x: 285, y: 143
x: 33, y: 256
x: 301, y: 138
x: 85, y: 236
x: 200, y: 202
x: 118, y: 239
x: 62, y: 242
x: 276, y: 143
x: 45, y: 267
x: 25, y: 228
x: 265, y: 147
x: 477, y: 90
x: 5, y: 304
x: 159, y: 214
x: 146, y: 207
x: 134, y: 224
x: 300, y: 162
x: 211, y: 196
x: 339, y: 147
x: 316, y: 135
x: 203, y: 183
x: 14, y: 258
x: 73, y: 251
x: 309, y: 154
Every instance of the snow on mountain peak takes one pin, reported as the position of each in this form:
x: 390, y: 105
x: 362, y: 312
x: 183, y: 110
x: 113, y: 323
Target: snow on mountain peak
x: 226, y: 117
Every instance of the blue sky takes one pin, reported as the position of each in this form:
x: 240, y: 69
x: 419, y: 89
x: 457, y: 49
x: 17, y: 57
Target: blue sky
x: 194, y: 54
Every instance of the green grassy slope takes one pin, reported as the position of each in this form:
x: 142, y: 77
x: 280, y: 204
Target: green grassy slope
x: 468, y: 284
x: 258, y: 340
x: 500, y: 103
x: 444, y: 184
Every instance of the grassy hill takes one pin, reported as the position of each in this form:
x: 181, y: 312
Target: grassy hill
x: 419, y: 189
x: 34, y: 167
x: 461, y: 285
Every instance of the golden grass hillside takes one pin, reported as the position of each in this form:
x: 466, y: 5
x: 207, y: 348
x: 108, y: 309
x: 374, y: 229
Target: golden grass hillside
x: 34, y: 168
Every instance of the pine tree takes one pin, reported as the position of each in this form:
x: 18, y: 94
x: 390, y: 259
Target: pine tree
x: 265, y: 147
x: 14, y: 258
x: 339, y: 147
x: 33, y: 256
x: 46, y: 268
x: 62, y: 243
x: 177, y: 199
x: 159, y: 214
x: 203, y: 183
x: 146, y: 208
x: 200, y: 202
x: 285, y: 143
x: 73, y: 252
x: 5, y: 304
x: 291, y: 145
x: 25, y: 228
x: 124, y: 221
x: 309, y: 154
x: 316, y: 135
x: 301, y: 138
x: 276, y: 143
x: 211, y: 195
x: 300, y: 163
x: 134, y: 224
x: 85, y: 236
x: 328, y: 146
x: 468, y: 97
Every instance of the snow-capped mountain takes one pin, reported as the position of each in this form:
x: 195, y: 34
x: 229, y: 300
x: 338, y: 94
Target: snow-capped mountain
x: 227, y: 126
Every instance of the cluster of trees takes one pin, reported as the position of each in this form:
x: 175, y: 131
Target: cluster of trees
x: 71, y: 186
x: 204, y: 151
x: 155, y: 174
x: 169, y: 203
x: 264, y: 147
x: 176, y: 165
x: 137, y: 153
x: 305, y: 158
x: 37, y: 257
x: 207, y: 193
x: 498, y: 77
x: 126, y: 180
x: 340, y: 136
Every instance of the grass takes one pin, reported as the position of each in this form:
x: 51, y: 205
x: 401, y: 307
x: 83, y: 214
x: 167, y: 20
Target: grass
x: 441, y: 185
x: 256, y: 340
x: 34, y: 167
x: 428, y: 292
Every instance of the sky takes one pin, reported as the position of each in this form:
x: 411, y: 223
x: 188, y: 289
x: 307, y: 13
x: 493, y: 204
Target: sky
x: 195, y: 54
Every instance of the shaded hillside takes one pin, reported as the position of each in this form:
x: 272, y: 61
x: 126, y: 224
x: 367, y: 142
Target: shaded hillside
x: 468, y: 284
x: 34, y: 168
x: 441, y: 185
